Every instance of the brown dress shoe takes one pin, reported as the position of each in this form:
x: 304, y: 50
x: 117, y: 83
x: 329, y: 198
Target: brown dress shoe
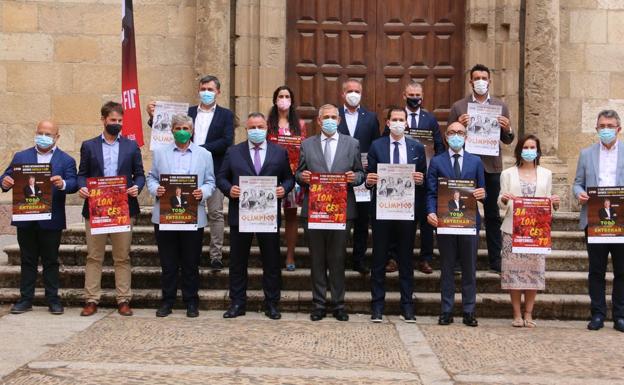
x: 424, y: 267
x: 124, y: 309
x: 89, y: 309
x: 391, y: 266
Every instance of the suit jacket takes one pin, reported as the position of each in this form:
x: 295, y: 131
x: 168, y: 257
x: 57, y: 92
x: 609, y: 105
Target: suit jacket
x: 587, y: 172
x: 380, y: 153
x: 28, y: 192
x: 129, y: 164
x: 347, y: 158
x: 201, y: 165
x: 61, y: 164
x: 220, y: 133
x: 453, y: 206
x: 510, y: 183
x: 174, y: 201
x: 441, y: 167
x: 492, y: 164
x: 604, y: 216
x: 426, y: 121
x: 237, y: 163
x: 366, y: 129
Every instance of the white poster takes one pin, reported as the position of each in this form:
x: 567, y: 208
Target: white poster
x: 483, y: 129
x: 257, y: 204
x: 395, y: 192
x: 161, y: 122
x: 362, y: 194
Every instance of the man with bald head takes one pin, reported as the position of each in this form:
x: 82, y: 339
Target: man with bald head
x: 41, y: 239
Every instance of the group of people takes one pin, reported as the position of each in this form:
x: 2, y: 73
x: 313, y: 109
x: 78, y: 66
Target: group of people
x: 203, y: 146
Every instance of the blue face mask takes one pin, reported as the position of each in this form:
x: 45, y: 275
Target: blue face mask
x: 43, y: 141
x: 207, y: 97
x: 529, y: 155
x: 607, y: 135
x: 256, y: 135
x: 330, y: 126
x: 456, y: 142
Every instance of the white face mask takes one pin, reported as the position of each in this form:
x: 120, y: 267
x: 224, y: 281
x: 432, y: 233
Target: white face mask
x: 353, y: 99
x: 480, y: 86
x: 397, y: 128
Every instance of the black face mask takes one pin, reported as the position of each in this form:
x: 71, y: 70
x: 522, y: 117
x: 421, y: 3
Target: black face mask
x: 113, y: 129
x: 414, y: 103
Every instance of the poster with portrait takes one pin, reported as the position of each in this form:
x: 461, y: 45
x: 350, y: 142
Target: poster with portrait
x: 457, y: 207
x: 362, y: 194
x: 108, y: 205
x: 292, y: 144
x: 425, y: 137
x: 178, y: 206
x: 257, y: 204
x: 395, y: 192
x: 605, y: 210
x: 483, y: 129
x: 161, y: 122
x: 32, y: 192
x: 532, y: 219
x: 327, y: 202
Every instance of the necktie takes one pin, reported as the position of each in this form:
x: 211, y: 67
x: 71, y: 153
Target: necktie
x: 327, y: 153
x: 413, y: 123
x: 395, y: 154
x: 456, y: 166
x: 257, y: 161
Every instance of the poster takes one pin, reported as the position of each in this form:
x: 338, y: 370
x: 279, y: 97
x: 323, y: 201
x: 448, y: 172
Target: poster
x: 108, y: 205
x: 604, y: 215
x: 161, y: 123
x: 395, y: 192
x: 178, y: 206
x: 257, y: 205
x: 292, y: 144
x: 532, y: 219
x: 32, y: 192
x: 425, y: 137
x: 483, y: 129
x: 327, y: 202
x: 362, y: 194
x: 457, y: 207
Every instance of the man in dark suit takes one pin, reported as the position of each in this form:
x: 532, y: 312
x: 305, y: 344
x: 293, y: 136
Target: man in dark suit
x: 329, y: 152
x: 395, y: 149
x: 31, y: 190
x: 456, y: 164
x: 606, y: 213
x: 493, y: 165
x: 255, y: 156
x: 214, y: 130
x: 41, y: 239
x: 362, y: 125
x: 110, y: 154
x: 456, y: 204
x: 178, y: 201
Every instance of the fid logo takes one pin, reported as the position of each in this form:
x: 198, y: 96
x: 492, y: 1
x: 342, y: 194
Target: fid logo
x: 129, y: 99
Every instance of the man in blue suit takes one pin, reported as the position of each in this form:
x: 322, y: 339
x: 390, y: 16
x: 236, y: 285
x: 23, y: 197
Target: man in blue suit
x: 254, y: 157
x: 41, y: 239
x: 110, y: 154
x: 213, y: 130
x: 456, y: 164
x: 395, y: 149
x: 362, y: 125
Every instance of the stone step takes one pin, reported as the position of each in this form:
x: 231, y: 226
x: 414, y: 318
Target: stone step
x: 144, y: 277
x: 492, y: 305
x: 75, y: 255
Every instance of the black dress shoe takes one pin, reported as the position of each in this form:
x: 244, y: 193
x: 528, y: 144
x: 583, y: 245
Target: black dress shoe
x: 470, y: 320
x: 234, y: 311
x: 445, y: 319
x: 216, y: 264
x: 56, y: 308
x: 596, y: 323
x: 272, y: 312
x: 360, y: 268
x: 192, y: 311
x: 164, y: 310
x: 21, y: 307
x: 341, y: 315
x: 408, y: 316
x: 618, y: 324
x: 317, y: 314
x: 377, y: 316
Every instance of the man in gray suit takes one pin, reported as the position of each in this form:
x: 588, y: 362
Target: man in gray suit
x: 602, y: 165
x: 329, y: 152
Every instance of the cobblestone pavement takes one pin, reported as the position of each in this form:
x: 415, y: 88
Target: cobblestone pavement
x: 253, y: 350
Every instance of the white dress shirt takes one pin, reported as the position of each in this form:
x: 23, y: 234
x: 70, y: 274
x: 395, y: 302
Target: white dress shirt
x: 351, y: 119
x: 263, y: 151
x: 409, y: 117
x: 47, y: 158
x: 402, y: 150
x: 460, y: 160
x: 332, y: 144
x: 486, y: 101
x: 202, y: 124
x: 607, y: 166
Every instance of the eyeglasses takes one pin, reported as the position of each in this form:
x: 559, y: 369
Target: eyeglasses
x: 458, y: 133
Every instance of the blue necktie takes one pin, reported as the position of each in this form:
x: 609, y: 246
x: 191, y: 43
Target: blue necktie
x: 413, y: 123
x: 395, y: 154
x: 456, y: 168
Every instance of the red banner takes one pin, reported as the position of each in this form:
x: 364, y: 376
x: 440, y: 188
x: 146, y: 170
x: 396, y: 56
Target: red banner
x: 132, y: 124
x: 327, y: 202
x: 108, y: 205
x: 532, y: 218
